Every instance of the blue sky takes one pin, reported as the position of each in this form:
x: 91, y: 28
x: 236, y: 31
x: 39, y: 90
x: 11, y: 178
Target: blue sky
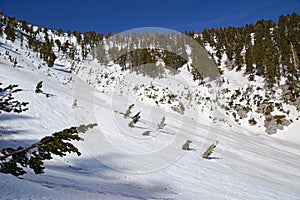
x: 121, y: 15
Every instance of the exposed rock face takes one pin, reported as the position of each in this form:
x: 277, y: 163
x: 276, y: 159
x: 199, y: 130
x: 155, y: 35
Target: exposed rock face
x: 286, y: 95
x: 241, y: 111
x: 296, y: 103
x: 265, y: 108
x: 178, y: 109
x: 272, y: 123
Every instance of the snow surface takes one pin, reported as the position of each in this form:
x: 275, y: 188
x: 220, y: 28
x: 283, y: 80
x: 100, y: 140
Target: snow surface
x: 117, y: 162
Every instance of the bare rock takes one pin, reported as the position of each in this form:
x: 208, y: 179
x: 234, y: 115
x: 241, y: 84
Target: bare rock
x: 273, y: 123
x: 241, y: 111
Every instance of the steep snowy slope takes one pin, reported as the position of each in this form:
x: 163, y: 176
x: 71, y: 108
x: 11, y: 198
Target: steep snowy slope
x: 117, y: 161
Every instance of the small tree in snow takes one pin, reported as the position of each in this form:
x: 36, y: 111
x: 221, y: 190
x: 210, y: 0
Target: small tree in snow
x: 7, y: 101
x: 135, y: 119
x: 146, y: 133
x: 186, y: 145
x: 162, y: 123
x: 74, y: 105
x: 209, y: 150
x: 128, y: 111
x: 38, y: 88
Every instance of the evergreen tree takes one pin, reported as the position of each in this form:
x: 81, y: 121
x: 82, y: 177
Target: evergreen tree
x: 186, y: 145
x: 10, y: 30
x: 162, y: 123
x: 135, y: 119
x: 271, y: 63
x: 58, y: 44
x: 7, y: 101
x: 47, y: 54
x: 249, y: 61
x: 128, y: 111
x: 14, y: 161
x: 38, y: 88
x: 209, y: 150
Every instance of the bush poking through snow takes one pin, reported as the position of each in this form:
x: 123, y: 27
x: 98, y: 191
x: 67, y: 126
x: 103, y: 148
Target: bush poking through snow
x: 135, y: 119
x: 162, y: 123
x: 252, y: 122
x: 38, y: 88
x: 128, y: 111
x: 146, y: 133
x: 186, y: 145
x: 74, y: 105
x: 209, y: 150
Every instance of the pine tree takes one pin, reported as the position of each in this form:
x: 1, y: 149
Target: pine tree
x: 135, y: 119
x: 209, y: 150
x: 38, y: 88
x: 249, y: 61
x: 128, y: 111
x: 74, y: 105
x: 186, y: 145
x: 270, y: 62
x: 10, y: 30
x: 146, y: 133
x: 7, y: 101
x: 162, y: 123
x: 14, y: 161
x: 1, y: 28
x: 47, y: 54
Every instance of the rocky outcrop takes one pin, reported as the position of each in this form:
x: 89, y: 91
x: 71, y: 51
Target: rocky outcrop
x: 178, y: 108
x: 273, y: 123
x: 241, y: 111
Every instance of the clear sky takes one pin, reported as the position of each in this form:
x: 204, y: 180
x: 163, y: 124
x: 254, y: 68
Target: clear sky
x: 121, y: 15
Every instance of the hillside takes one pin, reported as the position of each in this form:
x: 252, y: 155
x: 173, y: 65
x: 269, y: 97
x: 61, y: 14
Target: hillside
x: 256, y: 127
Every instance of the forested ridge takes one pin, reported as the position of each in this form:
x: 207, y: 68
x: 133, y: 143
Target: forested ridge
x: 266, y: 48
x: 269, y: 49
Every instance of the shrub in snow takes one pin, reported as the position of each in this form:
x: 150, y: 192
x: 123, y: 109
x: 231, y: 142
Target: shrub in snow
x: 252, y: 122
x: 146, y: 133
x: 209, y: 150
x: 128, y: 111
x: 162, y: 123
x: 186, y: 145
x: 38, y: 88
x: 135, y: 119
x: 74, y: 105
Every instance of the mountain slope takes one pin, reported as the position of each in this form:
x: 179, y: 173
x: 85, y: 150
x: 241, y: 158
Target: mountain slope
x: 117, y: 161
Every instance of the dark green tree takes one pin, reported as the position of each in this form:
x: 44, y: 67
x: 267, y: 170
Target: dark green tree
x: 38, y: 88
x: 10, y: 29
x: 128, y: 111
x: 249, y: 61
x: 209, y: 150
x: 7, y: 101
x: 15, y: 161
x: 135, y: 119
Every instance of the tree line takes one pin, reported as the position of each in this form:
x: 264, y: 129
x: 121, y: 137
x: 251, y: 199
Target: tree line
x: 266, y: 48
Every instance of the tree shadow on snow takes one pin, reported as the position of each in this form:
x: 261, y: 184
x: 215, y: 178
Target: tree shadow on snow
x: 213, y: 158
x: 165, y: 132
x: 62, y: 70
x: 90, y: 175
x: 9, y: 129
x: 14, y: 116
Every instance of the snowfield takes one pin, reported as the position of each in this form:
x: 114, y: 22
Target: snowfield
x: 117, y: 161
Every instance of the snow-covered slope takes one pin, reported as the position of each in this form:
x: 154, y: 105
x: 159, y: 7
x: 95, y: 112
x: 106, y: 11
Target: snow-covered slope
x: 117, y: 161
